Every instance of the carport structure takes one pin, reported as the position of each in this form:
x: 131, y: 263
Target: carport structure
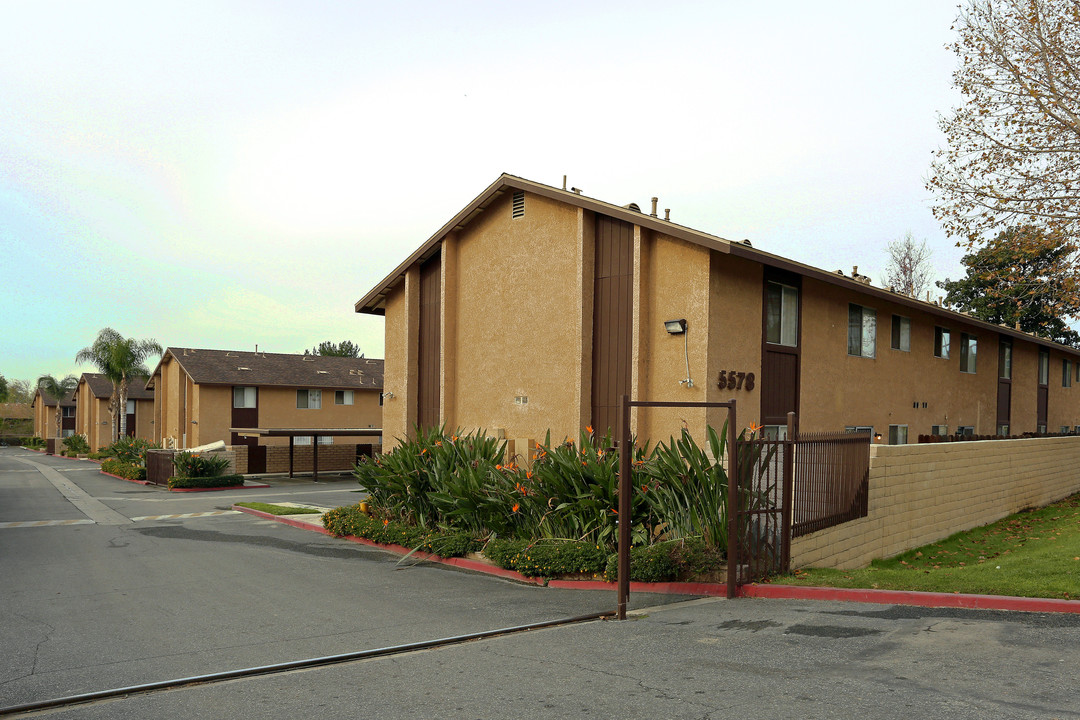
x: 313, y: 433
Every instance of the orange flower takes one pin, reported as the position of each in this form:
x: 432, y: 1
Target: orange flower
x: 528, y: 474
x: 588, y: 429
x: 644, y: 488
x: 754, y: 427
x: 498, y: 467
x: 438, y: 443
x: 515, y: 508
x: 614, y: 511
x: 385, y: 523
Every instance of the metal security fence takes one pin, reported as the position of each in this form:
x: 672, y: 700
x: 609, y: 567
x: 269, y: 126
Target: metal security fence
x: 832, y: 480
x: 762, y: 544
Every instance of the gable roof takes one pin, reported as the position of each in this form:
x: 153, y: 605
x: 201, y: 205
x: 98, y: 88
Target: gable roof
x: 49, y: 401
x: 374, y: 302
x: 233, y: 367
x: 102, y: 387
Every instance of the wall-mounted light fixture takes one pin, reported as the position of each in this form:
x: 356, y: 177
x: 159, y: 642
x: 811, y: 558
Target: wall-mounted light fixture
x: 678, y: 327
x: 675, y: 327
x: 877, y: 437
x: 388, y: 395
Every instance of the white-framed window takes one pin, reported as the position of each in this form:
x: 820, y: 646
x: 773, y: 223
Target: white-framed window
x: 130, y: 407
x: 70, y: 411
x: 1044, y: 370
x: 308, y: 399
x: 860, y: 429
x: 1005, y: 359
x: 901, y: 333
x: 244, y: 397
x: 306, y: 440
x: 67, y: 432
x: 862, y: 331
x: 966, y: 430
x: 1003, y: 429
x: 939, y: 430
x: 1064, y: 429
x: 781, y: 314
x: 343, y: 397
x: 1066, y: 373
x: 942, y: 339
x: 898, y: 434
x: 1040, y: 429
x: 969, y: 346
x: 773, y: 432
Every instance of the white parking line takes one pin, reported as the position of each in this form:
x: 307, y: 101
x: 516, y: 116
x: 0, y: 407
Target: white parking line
x: 186, y: 515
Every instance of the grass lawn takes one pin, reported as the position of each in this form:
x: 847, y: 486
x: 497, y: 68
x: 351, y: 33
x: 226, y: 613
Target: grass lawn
x: 1035, y: 553
x: 279, y: 509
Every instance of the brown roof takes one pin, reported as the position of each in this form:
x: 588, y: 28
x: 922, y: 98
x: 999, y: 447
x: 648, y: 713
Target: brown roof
x: 50, y: 401
x: 374, y: 302
x: 15, y: 410
x: 102, y: 387
x: 234, y: 367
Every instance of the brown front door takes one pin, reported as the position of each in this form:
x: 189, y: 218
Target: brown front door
x: 1043, y: 391
x: 613, y: 314
x: 247, y: 416
x: 780, y: 347
x: 428, y: 396
x: 131, y: 419
x: 1004, y: 394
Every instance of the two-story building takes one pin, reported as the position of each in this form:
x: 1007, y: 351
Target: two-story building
x: 535, y: 308
x: 92, y: 416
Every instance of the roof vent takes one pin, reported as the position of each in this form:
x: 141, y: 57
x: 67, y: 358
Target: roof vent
x: 243, y: 368
x: 231, y: 354
x: 322, y: 372
x: 309, y: 358
x: 519, y: 204
x: 746, y: 242
x: 633, y: 206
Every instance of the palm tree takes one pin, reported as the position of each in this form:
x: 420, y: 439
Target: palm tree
x: 59, y: 389
x: 119, y: 359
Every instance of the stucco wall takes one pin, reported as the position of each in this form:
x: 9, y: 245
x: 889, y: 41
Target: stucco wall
x: 923, y: 493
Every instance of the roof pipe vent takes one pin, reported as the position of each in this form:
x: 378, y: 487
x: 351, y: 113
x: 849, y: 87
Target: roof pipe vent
x: 654, y: 201
x: 563, y: 182
x: 667, y: 214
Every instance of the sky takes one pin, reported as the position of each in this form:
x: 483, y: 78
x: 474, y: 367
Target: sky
x: 238, y: 174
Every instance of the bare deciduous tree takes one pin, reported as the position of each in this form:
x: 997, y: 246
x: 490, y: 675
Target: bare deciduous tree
x: 1013, y: 154
x: 909, y: 270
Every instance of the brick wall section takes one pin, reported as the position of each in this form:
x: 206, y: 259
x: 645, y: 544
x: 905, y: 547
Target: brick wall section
x: 240, y: 458
x: 923, y: 493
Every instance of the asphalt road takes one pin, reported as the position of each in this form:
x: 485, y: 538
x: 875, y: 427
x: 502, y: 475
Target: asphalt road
x: 98, y: 605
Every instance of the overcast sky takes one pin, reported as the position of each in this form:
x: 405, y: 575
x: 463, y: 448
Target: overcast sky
x: 231, y: 174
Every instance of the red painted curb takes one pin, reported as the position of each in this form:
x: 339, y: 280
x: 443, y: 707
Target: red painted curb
x: 137, y: 482
x: 911, y: 597
x: 216, y: 489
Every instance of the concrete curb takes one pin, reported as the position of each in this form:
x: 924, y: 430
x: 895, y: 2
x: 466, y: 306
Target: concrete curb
x: 766, y: 591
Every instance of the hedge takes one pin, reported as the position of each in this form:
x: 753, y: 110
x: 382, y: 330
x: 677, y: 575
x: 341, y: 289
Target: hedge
x: 124, y: 470
x: 351, y: 520
x: 206, y: 482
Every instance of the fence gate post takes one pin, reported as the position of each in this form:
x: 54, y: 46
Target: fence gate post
x: 733, y: 505
x: 787, y: 493
x: 624, y: 520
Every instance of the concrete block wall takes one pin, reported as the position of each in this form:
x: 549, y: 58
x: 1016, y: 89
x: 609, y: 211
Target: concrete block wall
x: 331, y: 457
x: 923, y: 493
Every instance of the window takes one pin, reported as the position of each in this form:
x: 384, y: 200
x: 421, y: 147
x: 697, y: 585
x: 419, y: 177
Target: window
x: 1003, y: 429
x: 70, y: 411
x: 343, y: 397
x: 774, y: 432
x: 1066, y: 373
x: 901, y: 333
x: 781, y: 314
x: 306, y: 440
x: 1044, y: 369
x: 244, y: 397
x: 1064, y: 429
x: 859, y: 429
x: 130, y: 407
x: 969, y: 344
x: 67, y: 432
x: 1040, y: 429
x: 1076, y: 429
x: 862, y: 331
x: 939, y: 430
x: 967, y: 430
x: 309, y: 399
x: 898, y: 434
x: 942, y: 337
x: 1005, y: 360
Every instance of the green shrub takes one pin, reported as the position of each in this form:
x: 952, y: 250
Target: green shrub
x: 76, y: 445
x: 35, y: 443
x: 667, y: 561
x: 103, y: 454
x: 203, y: 482
x: 131, y: 449
x: 349, y: 520
x: 190, y: 465
x: 547, y: 558
x: 124, y: 470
